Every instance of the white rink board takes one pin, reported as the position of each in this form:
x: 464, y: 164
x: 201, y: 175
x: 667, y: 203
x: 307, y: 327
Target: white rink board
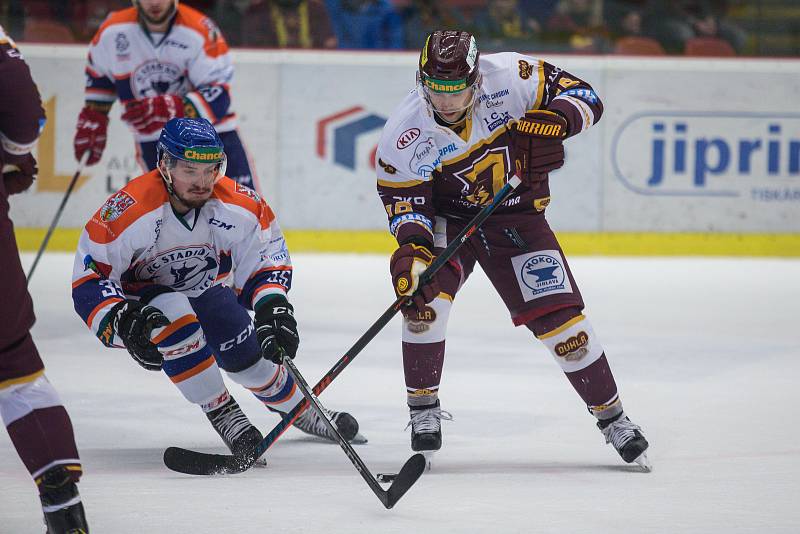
x: 311, y: 121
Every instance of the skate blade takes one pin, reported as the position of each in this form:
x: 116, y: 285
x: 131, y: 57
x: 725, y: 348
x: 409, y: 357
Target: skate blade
x: 359, y: 439
x: 428, y: 459
x: 260, y: 463
x: 644, y: 463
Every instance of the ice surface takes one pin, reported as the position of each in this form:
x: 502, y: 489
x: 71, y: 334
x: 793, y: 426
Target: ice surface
x: 706, y: 353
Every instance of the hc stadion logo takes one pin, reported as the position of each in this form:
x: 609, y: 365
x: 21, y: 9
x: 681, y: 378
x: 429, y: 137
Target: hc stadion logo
x: 709, y: 154
x: 341, y: 137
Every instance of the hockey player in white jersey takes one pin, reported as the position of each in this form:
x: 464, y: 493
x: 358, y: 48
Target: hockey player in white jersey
x: 161, y: 60
x: 473, y: 122
x: 170, y: 265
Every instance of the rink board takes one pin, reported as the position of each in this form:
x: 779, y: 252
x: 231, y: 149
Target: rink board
x: 685, y: 147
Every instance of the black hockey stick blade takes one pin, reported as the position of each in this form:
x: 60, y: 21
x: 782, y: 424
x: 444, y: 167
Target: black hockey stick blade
x: 198, y: 463
x: 408, y: 475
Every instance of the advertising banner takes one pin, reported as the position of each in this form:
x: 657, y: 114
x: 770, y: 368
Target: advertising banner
x: 684, y: 145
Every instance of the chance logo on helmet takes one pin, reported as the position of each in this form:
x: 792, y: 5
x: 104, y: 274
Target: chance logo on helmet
x: 193, y: 140
x: 448, y: 62
x: 448, y: 77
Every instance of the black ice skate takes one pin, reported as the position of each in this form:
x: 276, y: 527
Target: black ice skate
x: 235, y: 429
x: 627, y: 439
x: 310, y: 423
x: 426, y: 429
x: 61, y: 503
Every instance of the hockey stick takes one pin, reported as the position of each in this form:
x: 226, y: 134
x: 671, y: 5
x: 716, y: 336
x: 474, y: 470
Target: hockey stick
x: 43, y: 246
x: 199, y: 463
x: 409, y: 473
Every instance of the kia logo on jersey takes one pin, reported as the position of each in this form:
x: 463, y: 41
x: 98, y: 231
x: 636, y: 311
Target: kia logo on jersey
x: 407, y: 137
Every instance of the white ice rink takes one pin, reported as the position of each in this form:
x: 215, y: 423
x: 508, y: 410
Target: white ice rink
x: 706, y: 353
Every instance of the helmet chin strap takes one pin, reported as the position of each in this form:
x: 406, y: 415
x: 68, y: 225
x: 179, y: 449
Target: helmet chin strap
x: 167, y: 177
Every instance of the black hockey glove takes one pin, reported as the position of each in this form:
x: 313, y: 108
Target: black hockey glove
x: 276, y: 329
x: 133, y: 323
x: 539, y: 144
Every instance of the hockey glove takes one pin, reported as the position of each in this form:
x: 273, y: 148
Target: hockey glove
x: 276, y: 329
x: 91, y: 134
x: 149, y: 115
x: 539, y: 144
x: 134, y: 322
x: 19, y: 176
x: 407, y: 264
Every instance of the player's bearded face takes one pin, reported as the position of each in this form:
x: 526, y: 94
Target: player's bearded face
x: 156, y: 11
x: 193, y: 182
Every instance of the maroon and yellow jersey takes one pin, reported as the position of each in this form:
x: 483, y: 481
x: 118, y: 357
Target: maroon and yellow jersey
x: 426, y: 169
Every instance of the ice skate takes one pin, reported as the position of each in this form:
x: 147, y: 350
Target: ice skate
x: 312, y: 424
x: 627, y: 439
x: 235, y: 429
x: 69, y: 520
x: 426, y: 429
x: 61, y: 503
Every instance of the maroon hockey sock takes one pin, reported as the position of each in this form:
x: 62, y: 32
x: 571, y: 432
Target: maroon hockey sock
x: 45, y: 436
x: 422, y: 363
x: 596, y: 386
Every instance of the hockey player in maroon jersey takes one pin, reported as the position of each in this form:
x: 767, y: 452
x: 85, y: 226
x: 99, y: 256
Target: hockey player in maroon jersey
x: 445, y: 152
x: 37, y: 423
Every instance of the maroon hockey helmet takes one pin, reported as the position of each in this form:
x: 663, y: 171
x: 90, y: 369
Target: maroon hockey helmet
x: 448, y: 62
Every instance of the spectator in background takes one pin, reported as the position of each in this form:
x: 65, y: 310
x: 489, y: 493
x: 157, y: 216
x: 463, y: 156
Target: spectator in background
x: 423, y: 17
x: 672, y: 23
x: 288, y: 24
x: 12, y: 17
x: 580, y: 24
x: 624, y: 18
x: 372, y: 24
x: 708, y: 18
x: 229, y: 15
x: 503, y: 24
x: 87, y: 16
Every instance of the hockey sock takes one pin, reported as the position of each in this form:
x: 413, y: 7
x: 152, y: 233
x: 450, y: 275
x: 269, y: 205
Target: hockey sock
x: 422, y: 363
x: 44, y: 438
x: 578, y: 352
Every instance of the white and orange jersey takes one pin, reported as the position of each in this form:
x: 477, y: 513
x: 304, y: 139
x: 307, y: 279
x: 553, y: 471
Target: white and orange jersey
x: 190, y: 60
x: 136, y: 241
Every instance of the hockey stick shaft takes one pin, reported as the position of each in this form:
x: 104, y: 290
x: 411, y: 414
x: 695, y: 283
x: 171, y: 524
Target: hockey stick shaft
x: 43, y: 246
x: 195, y: 463
x: 417, y: 464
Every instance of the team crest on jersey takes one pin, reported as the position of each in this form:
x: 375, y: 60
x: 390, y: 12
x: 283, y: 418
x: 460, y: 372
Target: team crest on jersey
x: 246, y: 191
x: 190, y: 269
x: 155, y: 78
x: 122, y: 43
x: 484, y: 177
x: 116, y: 206
x: 525, y: 69
x: 541, y: 273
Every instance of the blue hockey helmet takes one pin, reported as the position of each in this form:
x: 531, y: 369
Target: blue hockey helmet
x: 193, y: 140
